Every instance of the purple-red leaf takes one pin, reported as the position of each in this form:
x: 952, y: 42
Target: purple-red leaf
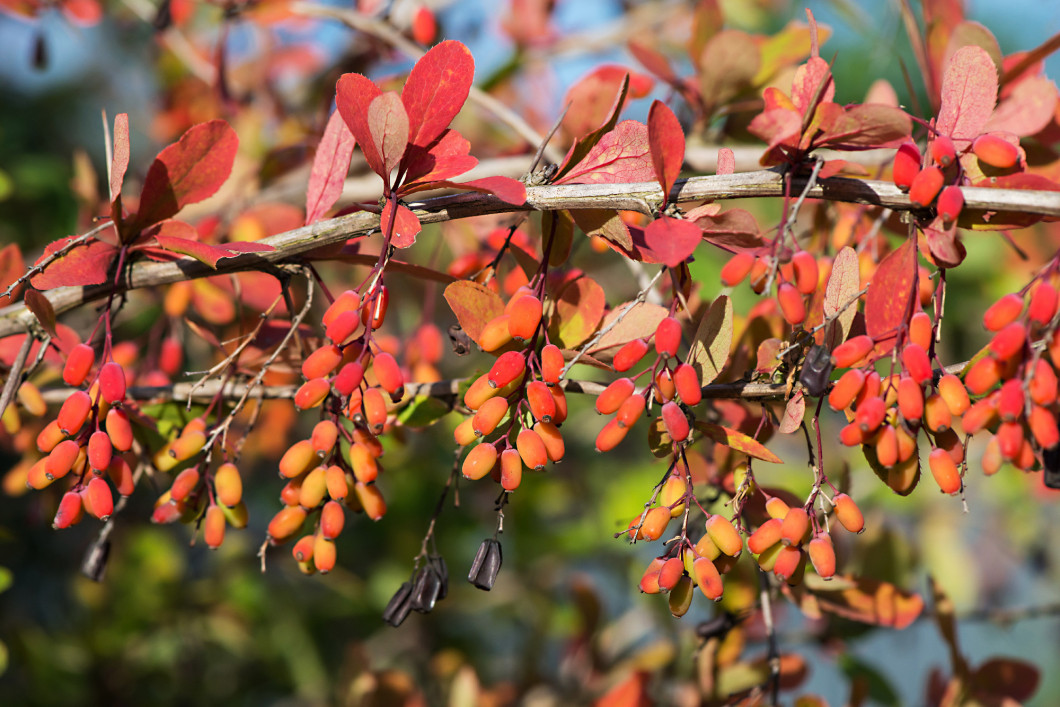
x: 389, y: 126
x: 505, y: 188
x: 353, y: 94
x: 120, y: 155
x: 179, y: 237
x: 620, y: 156
x: 84, y: 264
x: 188, y: 171
x: 583, y: 145
x: 812, y: 79
x: 732, y: 229
x: 667, y: 143
x: 889, y: 300
x: 866, y: 127
x: 672, y: 240
x: 969, y: 92
x: 406, y: 225
x: 447, y: 157
x: 436, y: 90
x: 330, y: 165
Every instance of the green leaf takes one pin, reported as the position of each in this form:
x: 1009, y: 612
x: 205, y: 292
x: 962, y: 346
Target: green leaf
x: 879, y: 689
x: 422, y: 411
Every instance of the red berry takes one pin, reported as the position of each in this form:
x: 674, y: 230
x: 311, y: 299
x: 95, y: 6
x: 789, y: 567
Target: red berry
x: 951, y: 201
x: 943, y: 151
x: 332, y: 520
x: 946, y: 473
x: 791, y: 304
x: 312, y: 393
x: 1043, y: 304
x: 676, y: 421
x: 906, y: 165
x: 70, y: 512
x: 98, y: 499
x: 926, y: 186
x: 916, y: 363
x: 614, y: 395
x: 734, y: 271
x: 1003, y: 312
x: 349, y: 378
x: 686, y: 381
x: 667, y: 337
x: 78, y: 364
x: 511, y: 469
x: 542, y: 404
x: 322, y: 362
x: 524, y: 316
x: 629, y: 355
x: 1009, y: 342
x: 388, y: 373
x: 374, y: 409
x: 509, y: 367
x: 348, y: 301
x: 851, y: 351
x: 531, y: 449
x: 74, y: 412
x: 551, y: 364
x: 848, y: 514
x: 846, y: 389
x: 100, y: 450
x: 806, y: 272
x: 112, y: 382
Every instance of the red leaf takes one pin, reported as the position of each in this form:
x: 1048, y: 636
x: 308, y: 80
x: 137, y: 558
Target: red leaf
x: 406, y: 225
x: 672, y: 240
x: 505, y: 188
x: 330, y: 165
x: 969, y: 92
x: 866, y: 127
x: 777, y: 126
x: 583, y: 145
x: 188, y: 171
x: 808, y: 80
x: 1027, y: 109
x: 726, y: 161
x: 889, y: 300
x: 436, y: 90
x: 621, y: 156
x: 474, y: 306
x: 120, y: 156
x: 592, y: 98
x: 945, y: 246
x: 389, y: 126
x: 667, y: 143
x: 12, y: 267
x: 86, y: 264
x: 653, y: 60
x: 353, y: 94
x: 734, y: 229
x: 179, y: 237
x: 448, y: 157
x: 794, y: 412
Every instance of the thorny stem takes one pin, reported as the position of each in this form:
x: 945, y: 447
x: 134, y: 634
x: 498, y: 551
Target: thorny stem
x: 791, y: 215
x: 38, y: 268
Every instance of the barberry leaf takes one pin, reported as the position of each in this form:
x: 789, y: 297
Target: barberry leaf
x: 436, y: 90
x: 738, y: 441
x: 353, y: 94
x: 406, y: 224
x: 579, y: 309
x: 84, y: 264
x: 671, y: 240
x: 621, y: 155
x: 330, y: 165
x: 12, y: 267
x: 119, y: 155
x: 889, y: 300
x: 188, y: 171
x: 713, y: 341
x: 843, y: 283
x: 666, y: 140
x: 863, y: 599
x: 474, y: 305
x: 507, y: 189
x: 447, y: 157
x: 583, y: 145
x: 389, y: 126
x: 969, y: 92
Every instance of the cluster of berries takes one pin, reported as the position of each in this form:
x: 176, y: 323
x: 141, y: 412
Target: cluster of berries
x: 798, y: 280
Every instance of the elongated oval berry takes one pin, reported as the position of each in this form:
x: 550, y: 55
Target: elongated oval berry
x: 614, y: 395
x: 851, y: 435
x: 98, y: 499
x: 846, y: 389
x: 951, y: 442
x: 511, y: 469
x: 916, y: 363
x: 672, y: 570
x: 822, y: 555
x: 298, y: 459
x: 479, y: 461
x: 61, y: 459
x: 667, y: 337
x: 1043, y: 304
x: 112, y: 382
x: 980, y: 415
x: 325, y: 554
x: 983, y: 375
x: 374, y: 409
x: 649, y: 582
x: 78, y: 364
x: 996, y: 151
x: 336, y: 481
x: 951, y: 202
x: 630, y: 355
x: 322, y: 362
x: 388, y: 373
x: 332, y: 520
x: 213, y: 527
x: 734, y: 271
x: 1043, y: 426
x: 551, y: 364
x: 791, y: 304
x: 542, y: 404
x: 788, y: 563
x: 686, y: 381
x: 1010, y: 403
x: 489, y: 415
x: 920, y: 331
x: 496, y: 334
x: 926, y: 186
x: 848, y: 514
x: 303, y: 549
x: 906, y: 165
x: 371, y: 500
x: 676, y: 421
x: 654, y: 525
x: 524, y: 317
x: 479, y: 392
x: 364, y: 465
x: 952, y: 390
x: 343, y: 326
x: 1042, y: 383
x: 665, y: 390
x: 285, y: 524
x: 325, y: 435
x: 119, y: 429
x: 312, y: 393
x: 553, y: 440
x: 1009, y: 342
x: 610, y: 436
x: 680, y: 598
x: 121, y: 475
x: 74, y: 412
x: 464, y: 434
x: 795, y: 529
x: 806, y: 272
x: 29, y: 396
x: 348, y: 301
x: 531, y: 449
x: 937, y: 416
x: 228, y: 484
x: 870, y: 414
x: 100, y: 450
x: 50, y: 436
x: 943, y: 151
x: 945, y: 472
x: 349, y: 378
x: 767, y: 535
x: 508, y: 368
x: 630, y: 411
x: 887, y: 446
x: 708, y: 579
x: 184, y: 484
x: 1003, y: 312
x: 723, y: 534
x: 851, y: 351
x: 70, y: 511
x: 910, y: 400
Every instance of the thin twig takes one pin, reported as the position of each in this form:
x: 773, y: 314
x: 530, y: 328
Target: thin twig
x: 14, y: 376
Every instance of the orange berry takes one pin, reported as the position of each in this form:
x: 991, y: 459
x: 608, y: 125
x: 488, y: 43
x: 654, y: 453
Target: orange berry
x: 614, y: 395
x: 479, y: 461
x: 285, y: 524
x: 303, y: 549
x: 373, y: 310
x: 686, y: 381
x: 388, y: 373
x: 649, y: 582
x: 916, y: 363
x: 851, y: 435
x: 365, y: 467
x: 665, y: 389
x: 766, y: 536
x: 511, y: 469
x: 667, y: 337
x: 479, y: 392
x: 851, y: 351
x: 496, y: 334
x: 322, y: 362
x: 119, y: 429
x: 791, y: 304
x: 1043, y: 304
x: 552, y: 439
x: 213, y: 527
x: 994, y: 150
x: 920, y: 332
x: 551, y: 364
x: 1042, y: 383
x: 951, y: 442
x: 848, y: 514
x: 630, y: 355
x: 980, y: 415
x: 524, y: 317
x: 654, y: 525
x: 464, y: 434
x: 332, y: 520
x: 1010, y: 439
x: 312, y: 393
x: 112, y: 382
x: 887, y: 446
x: 348, y: 301
x: 952, y: 390
x: 298, y: 459
x: 937, y: 416
x: 1009, y: 342
x: 121, y: 475
x: 61, y: 459
x: 943, y: 151
x: 78, y: 364
x: 184, y: 484
x: 374, y: 409
x: 911, y: 400
x: 70, y: 511
x: 806, y: 272
x: 50, y: 436
x: 1003, y: 312
x: 508, y: 368
x: 1042, y: 423
x: 795, y: 529
x: 734, y: 271
x: 561, y: 404
x: 1010, y: 402
x: 906, y: 165
x: 228, y: 484
x: 542, y: 404
x: 325, y: 554
x: 788, y: 562
x: 630, y: 411
x: 337, y: 483
x: 992, y: 460
x: 74, y: 412
x: 531, y: 449
x: 610, y: 436
x: 723, y: 534
x: 325, y: 435
x: 822, y: 555
x: 983, y: 375
x: 759, y: 274
x: 489, y: 415
x: 846, y: 389
x: 870, y: 414
x: 343, y: 326
x: 349, y: 378
x: 946, y: 474
x: 672, y: 570
x: 708, y: 579
x: 926, y: 186
x: 98, y: 499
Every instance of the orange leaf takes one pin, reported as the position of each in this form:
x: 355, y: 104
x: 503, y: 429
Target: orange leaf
x: 738, y: 441
x: 474, y: 305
